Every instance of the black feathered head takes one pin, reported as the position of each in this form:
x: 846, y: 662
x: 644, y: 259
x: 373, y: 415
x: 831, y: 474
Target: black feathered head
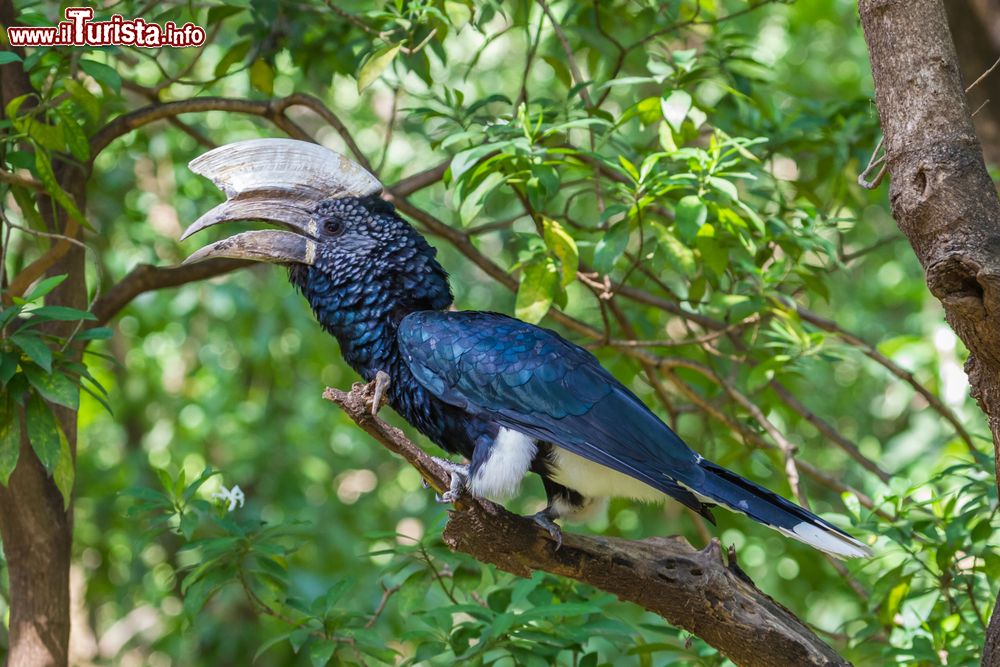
x: 340, y: 232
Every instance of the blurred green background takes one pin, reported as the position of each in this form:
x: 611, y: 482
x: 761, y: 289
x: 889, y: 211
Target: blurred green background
x: 227, y: 374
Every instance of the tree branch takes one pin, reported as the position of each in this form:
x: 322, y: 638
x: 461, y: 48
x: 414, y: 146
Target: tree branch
x: 941, y: 194
x: 146, y: 278
x: 695, y: 590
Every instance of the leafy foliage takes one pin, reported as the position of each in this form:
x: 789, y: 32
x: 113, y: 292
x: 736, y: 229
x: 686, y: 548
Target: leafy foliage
x: 37, y: 373
x: 673, y: 183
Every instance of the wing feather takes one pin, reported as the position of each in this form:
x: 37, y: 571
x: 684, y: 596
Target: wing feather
x: 531, y: 379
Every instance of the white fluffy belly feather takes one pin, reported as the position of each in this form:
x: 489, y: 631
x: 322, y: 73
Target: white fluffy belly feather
x: 596, y: 481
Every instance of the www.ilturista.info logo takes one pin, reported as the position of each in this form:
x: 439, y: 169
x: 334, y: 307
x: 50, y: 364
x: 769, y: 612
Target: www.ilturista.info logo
x: 79, y: 30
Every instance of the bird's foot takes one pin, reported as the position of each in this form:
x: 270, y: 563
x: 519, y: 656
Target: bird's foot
x: 459, y: 476
x: 544, y: 519
x: 378, y: 396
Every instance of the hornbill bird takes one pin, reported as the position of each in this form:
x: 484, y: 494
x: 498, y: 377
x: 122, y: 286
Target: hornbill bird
x: 508, y: 396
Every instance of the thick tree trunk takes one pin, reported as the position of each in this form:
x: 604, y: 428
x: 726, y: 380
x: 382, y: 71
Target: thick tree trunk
x: 37, y: 535
x: 35, y: 526
x: 941, y: 194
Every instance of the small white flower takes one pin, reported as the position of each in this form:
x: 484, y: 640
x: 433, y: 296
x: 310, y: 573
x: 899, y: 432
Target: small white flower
x: 233, y: 496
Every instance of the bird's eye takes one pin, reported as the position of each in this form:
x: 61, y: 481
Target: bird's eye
x: 334, y: 227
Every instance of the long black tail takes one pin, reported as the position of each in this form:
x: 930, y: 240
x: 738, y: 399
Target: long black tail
x: 741, y: 495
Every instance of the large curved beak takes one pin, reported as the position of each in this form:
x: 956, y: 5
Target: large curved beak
x: 278, y: 181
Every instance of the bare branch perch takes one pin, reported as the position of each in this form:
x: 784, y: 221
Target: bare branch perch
x: 695, y: 590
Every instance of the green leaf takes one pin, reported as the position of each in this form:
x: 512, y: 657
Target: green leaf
x: 675, y: 109
x: 103, y: 74
x: 472, y: 204
x: 7, y: 57
x: 96, y: 333
x: 611, y: 246
x: 220, y: 13
x: 270, y: 643
x: 713, y: 253
x: 724, y: 186
x: 374, y: 65
x: 188, y: 524
x: 192, y: 488
x: 559, y: 67
x: 54, y: 387
x: 629, y: 167
x: 43, y: 432
x: 48, y: 178
x: 10, y: 438
x: 35, y: 348
x: 50, y: 136
x: 62, y: 313
x: 83, y: 97
x: 320, y: 652
x: 199, y: 592
x: 8, y: 366
x: 45, y: 286
x: 666, y: 136
x: 299, y: 637
x: 563, y: 247
x: 65, y: 470
x: 15, y: 105
x: 74, y: 136
x: 262, y: 76
x: 235, y: 54
x: 678, y: 255
x: 459, y: 13
x: 691, y: 214
x: 539, y: 282
x: 465, y: 160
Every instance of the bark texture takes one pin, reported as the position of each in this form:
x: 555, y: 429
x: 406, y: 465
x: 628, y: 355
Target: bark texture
x: 975, y: 25
x: 699, y: 591
x: 941, y: 194
x: 36, y: 527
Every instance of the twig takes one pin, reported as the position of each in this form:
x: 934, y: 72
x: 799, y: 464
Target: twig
x: 24, y: 181
x: 828, y: 431
x: 418, y: 181
x: 983, y: 76
x: 273, y: 110
x: 494, y: 226
x: 570, y: 58
x: 351, y: 18
x: 387, y: 592
x: 872, y: 163
x: 153, y: 95
x: 390, y: 126
x: 522, y: 95
x: 37, y: 268
x: 906, y: 376
x: 48, y: 235
x: 884, y: 241
x: 694, y: 21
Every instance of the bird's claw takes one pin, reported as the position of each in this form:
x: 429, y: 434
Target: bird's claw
x: 544, y: 520
x: 459, y: 474
x: 378, y: 396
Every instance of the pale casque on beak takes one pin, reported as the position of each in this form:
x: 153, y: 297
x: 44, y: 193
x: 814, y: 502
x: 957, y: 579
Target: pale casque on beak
x: 279, y: 181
